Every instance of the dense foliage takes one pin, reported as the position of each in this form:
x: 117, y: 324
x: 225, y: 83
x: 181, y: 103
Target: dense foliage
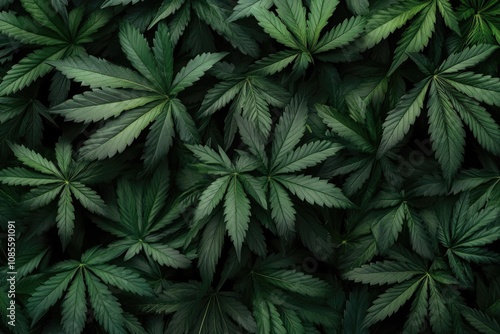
x: 251, y: 166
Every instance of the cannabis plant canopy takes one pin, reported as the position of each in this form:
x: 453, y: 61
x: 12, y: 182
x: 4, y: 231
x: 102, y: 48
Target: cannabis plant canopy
x: 249, y: 166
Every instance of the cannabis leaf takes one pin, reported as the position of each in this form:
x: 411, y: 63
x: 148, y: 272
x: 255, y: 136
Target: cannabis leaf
x: 410, y: 276
x: 199, y: 309
x: 415, y: 38
x: 87, y: 278
x: 58, y: 36
x: 453, y: 97
x: 148, y: 94
x: 66, y: 180
x: 464, y: 232
x: 252, y: 96
x: 303, y: 37
x: 139, y: 220
x: 479, y: 22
